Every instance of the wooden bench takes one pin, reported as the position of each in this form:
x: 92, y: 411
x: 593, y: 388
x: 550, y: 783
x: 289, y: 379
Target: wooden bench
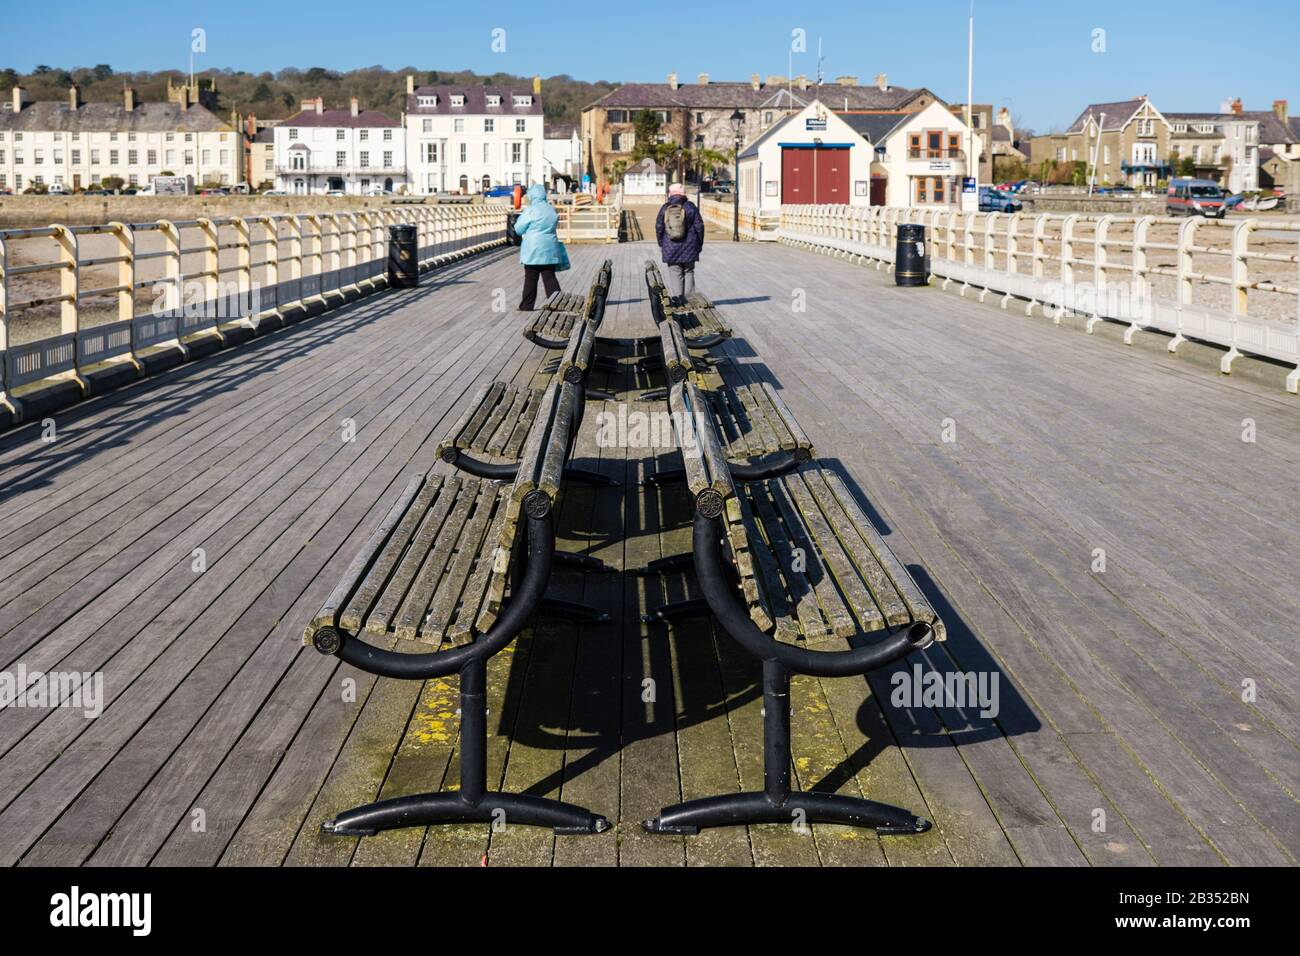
x: 701, y: 323
x: 802, y: 565
x: 458, y: 565
x: 494, y: 424
x: 754, y: 419
x: 551, y: 326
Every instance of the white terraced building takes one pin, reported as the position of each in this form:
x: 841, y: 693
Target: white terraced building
x: 352, y: 151
x: 78, y: 145
x: 468, y: 139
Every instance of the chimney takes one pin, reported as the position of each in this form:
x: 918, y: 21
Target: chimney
x: 703, y: 79
x: 846, y: 80
x: 882, y: 82
x: 128, y: 98
x: 74, y: 97
x: 755, y: 81
x: 410, y: 85
x: 801, y: 81
x: 356, y: 107
x: 775, y: 80
x: 1236, y: 106
x: 1279, y: 110
x: 537, y: 86
x: 319, y: 106
x: 672, y: 81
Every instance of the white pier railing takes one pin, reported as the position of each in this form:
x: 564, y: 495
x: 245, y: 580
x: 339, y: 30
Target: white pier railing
x: 74, y: 299
x: 1234, y: 283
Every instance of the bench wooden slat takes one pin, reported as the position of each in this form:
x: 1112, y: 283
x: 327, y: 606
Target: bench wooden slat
x: 772, y: 501
x: 551, y: 472
x: 327, y: 615
x: 359, y: 606
x: 475, y: 592
x: 381, y: 615
x: 410, y: 617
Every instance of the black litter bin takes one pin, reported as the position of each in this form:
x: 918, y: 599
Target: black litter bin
x: 512, y: 237
x: 911, y: 264
x: 403, y: 257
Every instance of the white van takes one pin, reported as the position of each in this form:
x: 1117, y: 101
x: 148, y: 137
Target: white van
x: 58, y: 189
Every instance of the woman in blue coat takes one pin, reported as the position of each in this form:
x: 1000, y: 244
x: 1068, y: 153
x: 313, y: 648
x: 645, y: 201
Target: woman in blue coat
x: 540, y: 251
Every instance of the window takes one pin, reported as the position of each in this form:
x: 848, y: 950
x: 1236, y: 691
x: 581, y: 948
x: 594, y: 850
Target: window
x: 662, y: 115
x: 954, y: 145
x: 426, y: 126
x: 616, y: 116
x: 270, y: 163
x: 18, y: 137
x: 1060, y: 154
x: 189, y: 157
x: 616, y: 142
x: 153, y: 157
x: 427, y: 102
x: 487, y: 152
x: 521, y: 126
x: 388, y: 158
x: 365, y: 159
x: 132, y: 179
x: 130, y: 137
x: 58, y: 157
x: 293, y: 133
x: 170, y: 156
x: 699, y: 117
x: 207, y: 157
x: 458, y: 125
x: 516, y: 152
x: 340, y: 134
x: 112, y: 137
x: 94, y: 157
x: 1146, y: 127
x: 464, y: 152
x: 457, y: 99
x: 523, y: 100
x: 132, y: 157
x: 3, y: 181
x: 489, y: 125
x: 767, y: 117
x: 2, y: 155
x: 37, y: 157
x: 493, y: 100
x: 1105, y: 155
x: 430, y: 152
x: 364, y: 135
x: 388, y: 136
x: 112, y: 157
x: 1144, y: 154
x: 169, y: 137
x: 340, y: 159
x: 189, y: 137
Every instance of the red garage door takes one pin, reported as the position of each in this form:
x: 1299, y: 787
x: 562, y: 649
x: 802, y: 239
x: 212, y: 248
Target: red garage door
x: 815, y: 175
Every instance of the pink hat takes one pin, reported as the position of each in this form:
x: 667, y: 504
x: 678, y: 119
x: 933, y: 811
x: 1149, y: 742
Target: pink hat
x: 676, y: 189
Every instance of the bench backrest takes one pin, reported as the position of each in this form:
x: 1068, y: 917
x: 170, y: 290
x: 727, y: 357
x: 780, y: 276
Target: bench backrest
x: 579, y: 353
x: 707, y: 473
x: 536, y: 488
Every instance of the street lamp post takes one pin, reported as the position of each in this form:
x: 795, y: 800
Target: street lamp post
x: 699, y: 169
x: 737, y: 123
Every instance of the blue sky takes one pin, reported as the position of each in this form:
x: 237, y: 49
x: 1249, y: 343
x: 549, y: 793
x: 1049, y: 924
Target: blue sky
x: 1034, y: 57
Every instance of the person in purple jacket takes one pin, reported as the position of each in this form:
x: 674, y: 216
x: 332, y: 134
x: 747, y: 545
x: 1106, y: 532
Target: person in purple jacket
x: 680, y: 231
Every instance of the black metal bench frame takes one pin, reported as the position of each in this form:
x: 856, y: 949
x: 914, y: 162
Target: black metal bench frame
x: 534, y: 546
x: 777, y: 802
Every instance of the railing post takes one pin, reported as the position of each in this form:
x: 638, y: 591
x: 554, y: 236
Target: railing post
x: 209, y: 272
x: 6, y: 400
x: 271, y: 269
x: 1100, y: 257
x: 243, y: 269
x: 1186, y: 239
x: 70, y: 297
x: 1240, y: 285
x: 1066, y: 274
x: 1139, y: 274
x: 126, y: 285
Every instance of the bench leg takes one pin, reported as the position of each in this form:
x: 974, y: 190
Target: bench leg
x: 472, y: 803
x: 677, y: 611
x: 597, y: 395
x: 673, y: 562
x: 777, y: 803
x: 654, y: 395
x: 667, y: 477
x: 572, y: 610
x: 590, y: 477
x: 581, y: 562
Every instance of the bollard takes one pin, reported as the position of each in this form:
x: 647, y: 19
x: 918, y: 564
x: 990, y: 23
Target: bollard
x: 911, y: 266
x: 403, y: 257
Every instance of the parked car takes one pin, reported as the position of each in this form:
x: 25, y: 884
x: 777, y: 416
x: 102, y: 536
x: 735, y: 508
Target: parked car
x: 275, y: 192
x: 336, y: 192
x: 220, y: 191
x: 378, y: 191
x: 6, y: 191
x: 993, y: 200
x: 498, y: 191
x: 1195, y: 197
x: 58, y: 189
x: 1232, y: 202
x: 724, y: 186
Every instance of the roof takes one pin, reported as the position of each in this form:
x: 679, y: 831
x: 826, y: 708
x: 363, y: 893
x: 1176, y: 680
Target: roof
x: 368, y: 119
x: 559, y: 130
x: 1271, y: 129
x: 875, y: 128
x: 475, y: 100
x: 265, y: 135
x: 645, y: 167
x: 726, y: 95
x: 1117, y: 114
x: 1001, y: 134
x: 113, y: 117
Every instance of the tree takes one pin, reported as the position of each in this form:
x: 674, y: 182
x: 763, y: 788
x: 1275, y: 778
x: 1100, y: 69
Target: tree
x: 645, y: 129
x: 102, y: 72
x: 113, y: 182
x: 263, y: 93
x: 1186, y: 166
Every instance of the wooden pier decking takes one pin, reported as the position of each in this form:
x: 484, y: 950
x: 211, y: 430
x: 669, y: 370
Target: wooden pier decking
x: 1147, y: 712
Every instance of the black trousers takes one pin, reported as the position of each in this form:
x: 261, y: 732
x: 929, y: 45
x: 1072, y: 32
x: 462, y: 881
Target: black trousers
x: 552, y: 284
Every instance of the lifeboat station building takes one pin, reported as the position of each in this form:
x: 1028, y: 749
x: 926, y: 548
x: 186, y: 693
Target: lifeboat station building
x: 859, y: 158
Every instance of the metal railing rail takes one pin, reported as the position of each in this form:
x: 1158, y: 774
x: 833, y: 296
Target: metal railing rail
x: 1100, y: 267
x: 209, y: 279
